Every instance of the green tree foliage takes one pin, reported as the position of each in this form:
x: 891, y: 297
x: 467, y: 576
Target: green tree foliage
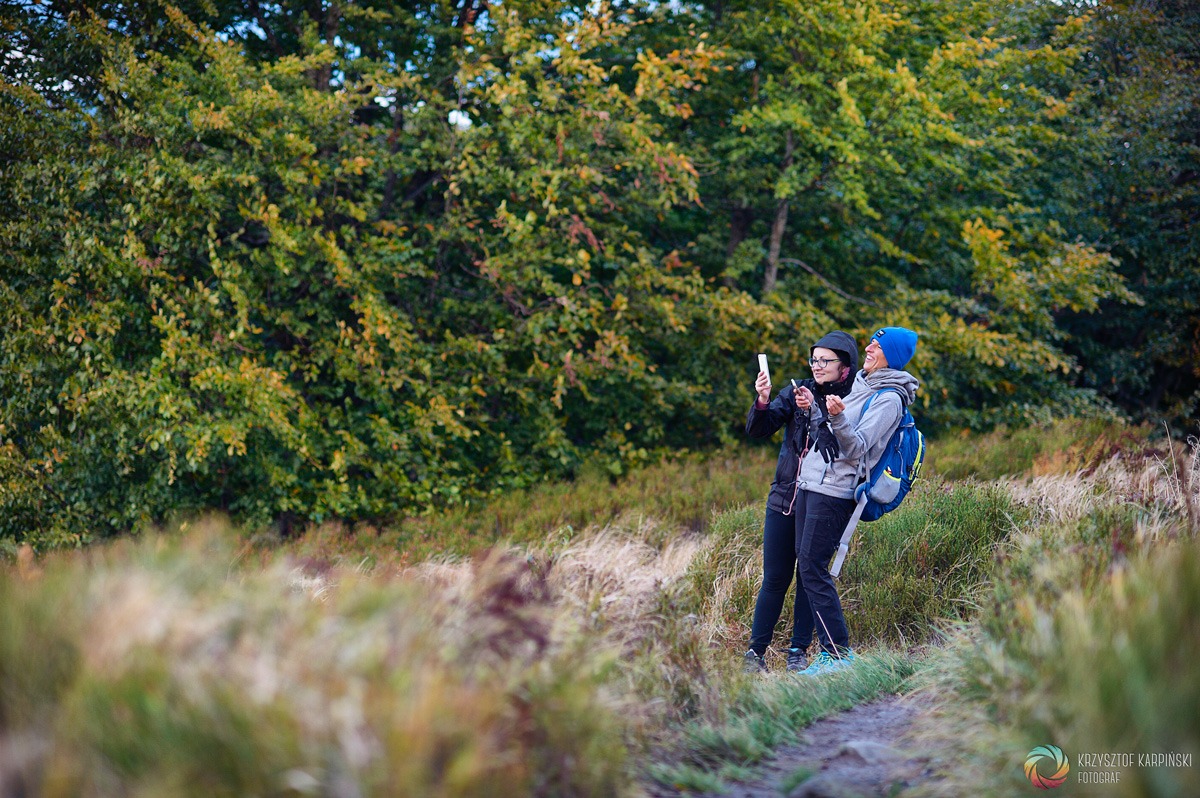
x: 879, y: 163
x: 233, y: 286
x: 321, y: 259
x: 1132, y: 181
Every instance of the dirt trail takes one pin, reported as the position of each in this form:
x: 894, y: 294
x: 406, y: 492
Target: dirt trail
x: 857, y: 753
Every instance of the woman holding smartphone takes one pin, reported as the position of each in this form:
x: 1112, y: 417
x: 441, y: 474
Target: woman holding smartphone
x: 801, y: 409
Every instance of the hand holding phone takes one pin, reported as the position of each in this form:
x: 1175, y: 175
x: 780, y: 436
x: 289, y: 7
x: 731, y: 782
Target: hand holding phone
x: 762, y: 387
x: 804, y: 397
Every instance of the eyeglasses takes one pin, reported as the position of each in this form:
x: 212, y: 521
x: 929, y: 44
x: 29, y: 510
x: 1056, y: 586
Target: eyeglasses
x: 820, y: 362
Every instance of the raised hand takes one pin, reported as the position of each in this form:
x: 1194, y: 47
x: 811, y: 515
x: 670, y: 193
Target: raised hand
x: 763, y: 386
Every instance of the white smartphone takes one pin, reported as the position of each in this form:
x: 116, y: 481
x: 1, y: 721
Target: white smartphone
x: 762, y: 366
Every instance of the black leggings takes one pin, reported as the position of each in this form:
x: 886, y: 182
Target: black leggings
x: 802, y: 543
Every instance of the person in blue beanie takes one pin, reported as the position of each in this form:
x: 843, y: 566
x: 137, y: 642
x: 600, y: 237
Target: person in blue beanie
x: 800, y: 410
x: 827, y: 488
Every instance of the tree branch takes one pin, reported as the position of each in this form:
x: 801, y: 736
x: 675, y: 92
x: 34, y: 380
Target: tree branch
x: 828, y: 284
x: 469, y: 12
x: 261, y: 21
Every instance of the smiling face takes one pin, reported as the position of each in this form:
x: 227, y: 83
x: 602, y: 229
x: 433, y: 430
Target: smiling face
x: 875, y: 359
x: 826, y: 366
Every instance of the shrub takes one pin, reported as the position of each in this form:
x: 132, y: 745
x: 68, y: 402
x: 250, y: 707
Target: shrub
x: 234, y: 285
x: 926, y: 562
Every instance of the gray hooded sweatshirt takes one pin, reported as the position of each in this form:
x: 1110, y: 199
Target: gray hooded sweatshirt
x: 862, y: 438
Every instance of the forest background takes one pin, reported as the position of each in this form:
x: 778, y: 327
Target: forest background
x: 311, y: 260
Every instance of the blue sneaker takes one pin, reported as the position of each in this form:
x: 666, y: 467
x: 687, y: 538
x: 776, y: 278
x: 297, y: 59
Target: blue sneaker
x: 827, y: 663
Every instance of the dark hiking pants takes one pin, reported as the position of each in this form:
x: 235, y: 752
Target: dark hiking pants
x: 779, y: 564
x: 820, y: 521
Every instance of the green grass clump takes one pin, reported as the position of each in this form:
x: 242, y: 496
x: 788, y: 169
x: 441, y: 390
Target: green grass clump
x: 1060, y: 447
x: 685, y: 777
x: 794, y: 779
x: 926, y: 561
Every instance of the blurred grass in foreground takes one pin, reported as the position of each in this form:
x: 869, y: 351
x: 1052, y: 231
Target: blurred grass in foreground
x: 150, y: 669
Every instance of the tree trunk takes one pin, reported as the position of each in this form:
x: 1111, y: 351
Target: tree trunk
x: 322, y: 77
x: 777, y: 228
x: 778, y: 225
x: 389, y: 184
x: 469, y: 12
x: 267, y: 29
x: 739, y: 225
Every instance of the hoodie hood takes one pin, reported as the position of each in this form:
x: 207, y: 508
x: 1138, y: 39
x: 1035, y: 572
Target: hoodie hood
x: 843, y: 344
x: 906, y: 383
x: 847, y: 350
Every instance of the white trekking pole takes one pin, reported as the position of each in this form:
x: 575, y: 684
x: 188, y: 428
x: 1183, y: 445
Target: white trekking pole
x: 844, y: 544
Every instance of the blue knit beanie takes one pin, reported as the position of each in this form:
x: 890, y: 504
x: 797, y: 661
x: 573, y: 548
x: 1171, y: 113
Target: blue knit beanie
x: 898, y: 345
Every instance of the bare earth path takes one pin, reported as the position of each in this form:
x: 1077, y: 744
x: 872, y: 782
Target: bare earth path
x: 859, y: 752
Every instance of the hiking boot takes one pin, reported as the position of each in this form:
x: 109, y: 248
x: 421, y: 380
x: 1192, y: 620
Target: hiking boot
x: 827, y: 663
x: 753, y: 663
x: 797, y: 660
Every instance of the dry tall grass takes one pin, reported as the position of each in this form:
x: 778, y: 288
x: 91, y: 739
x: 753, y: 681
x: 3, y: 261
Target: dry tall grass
x: 1090, y: 640
x: 197, y: 663
x: 153, y: 669
x: 174, y: 666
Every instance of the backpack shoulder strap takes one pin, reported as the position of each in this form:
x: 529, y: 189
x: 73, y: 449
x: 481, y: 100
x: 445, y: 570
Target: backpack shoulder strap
x: 864, y: 470
x: 897, y: 391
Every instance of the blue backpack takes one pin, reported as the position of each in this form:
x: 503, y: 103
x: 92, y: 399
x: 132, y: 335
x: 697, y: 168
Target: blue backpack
x: 898, y: 468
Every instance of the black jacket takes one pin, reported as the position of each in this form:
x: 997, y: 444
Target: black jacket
x: 797, y: 435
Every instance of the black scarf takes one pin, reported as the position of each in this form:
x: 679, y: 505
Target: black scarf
x: 806, y: 429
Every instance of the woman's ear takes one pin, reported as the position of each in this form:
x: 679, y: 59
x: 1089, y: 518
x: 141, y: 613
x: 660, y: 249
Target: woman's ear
x: 845, y: 373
